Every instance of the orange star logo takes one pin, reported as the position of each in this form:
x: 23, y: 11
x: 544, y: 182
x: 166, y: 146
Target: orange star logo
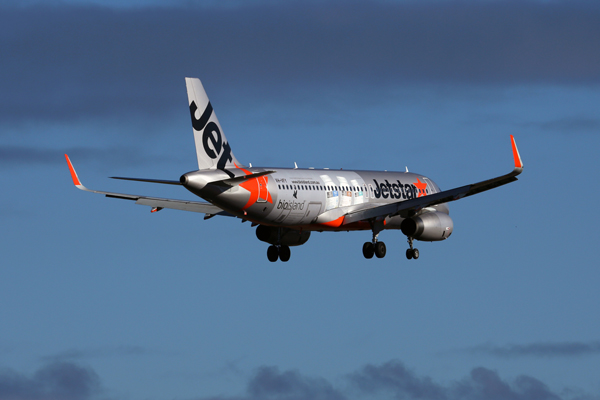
x: 258, y: 189
x: 422, y: 187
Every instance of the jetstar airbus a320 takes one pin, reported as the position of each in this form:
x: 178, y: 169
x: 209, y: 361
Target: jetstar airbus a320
x: 287, y: 204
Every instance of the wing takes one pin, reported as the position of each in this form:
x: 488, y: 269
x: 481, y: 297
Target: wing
x: 410, y: 207
x: 156, y: 203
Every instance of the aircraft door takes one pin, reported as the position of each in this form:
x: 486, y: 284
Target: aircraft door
x: 263, y: 192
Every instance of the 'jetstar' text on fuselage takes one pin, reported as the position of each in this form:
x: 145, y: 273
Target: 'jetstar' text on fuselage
x: 394, y: 190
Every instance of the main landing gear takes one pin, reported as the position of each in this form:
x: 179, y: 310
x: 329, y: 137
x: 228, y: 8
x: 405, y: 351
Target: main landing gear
x: 411, y: 253
x: 282, y: 252
x: 374, y: 247
x: 370, y: 249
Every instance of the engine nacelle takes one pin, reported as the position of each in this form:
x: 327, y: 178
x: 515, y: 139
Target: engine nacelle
x: 429, y: 227
x: 289, y: 237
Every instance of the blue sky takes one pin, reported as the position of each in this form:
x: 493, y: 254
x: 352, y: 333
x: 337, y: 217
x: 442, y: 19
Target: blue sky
x: 103, y: 300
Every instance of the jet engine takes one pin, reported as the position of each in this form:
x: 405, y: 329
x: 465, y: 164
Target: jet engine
x: 429, y: 227
x: 281, y: 236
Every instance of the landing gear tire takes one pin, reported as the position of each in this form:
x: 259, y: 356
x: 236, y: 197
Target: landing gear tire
x: 412, y: 253
x: 380, y: 249
x: 272, y: 253
x: 368, y: 250
x: 284, y: 253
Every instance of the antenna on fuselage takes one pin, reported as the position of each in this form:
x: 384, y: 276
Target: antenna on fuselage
x: 406, y: 169
x: 295, y: 165
x: 250, y: 164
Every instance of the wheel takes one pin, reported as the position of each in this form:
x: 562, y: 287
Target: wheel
x: 380, y: 249
x: 409, y: 253
x: 284, y: 253
x: 272, y: 253
x: 416, y: 253
x: 368, y: 250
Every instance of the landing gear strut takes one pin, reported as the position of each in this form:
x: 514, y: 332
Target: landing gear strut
x: 281, y: 252
x: 374, y: 247
x: 411, y: 253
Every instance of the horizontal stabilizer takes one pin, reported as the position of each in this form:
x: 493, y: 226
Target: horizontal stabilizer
x: 163, y: 181
x: 154, y: 202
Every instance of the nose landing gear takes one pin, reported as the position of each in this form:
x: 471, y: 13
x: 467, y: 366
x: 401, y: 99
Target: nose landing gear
x: 411, y: 253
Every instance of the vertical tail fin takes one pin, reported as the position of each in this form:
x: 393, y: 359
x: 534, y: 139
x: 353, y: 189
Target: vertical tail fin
x: 212, y: 148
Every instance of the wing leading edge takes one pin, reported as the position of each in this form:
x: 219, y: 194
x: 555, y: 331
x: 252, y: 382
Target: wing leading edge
x: 408, y: 208
x: 156, y: 203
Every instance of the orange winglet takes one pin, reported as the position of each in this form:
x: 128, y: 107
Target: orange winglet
x: 517, y: 157
x: 73, y: 173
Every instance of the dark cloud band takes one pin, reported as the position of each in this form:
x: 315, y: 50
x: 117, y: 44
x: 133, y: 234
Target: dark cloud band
x: 66, y: 60
x: 557, y: 349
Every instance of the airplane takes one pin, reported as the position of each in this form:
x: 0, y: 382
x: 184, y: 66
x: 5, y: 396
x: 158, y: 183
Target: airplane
x: 287, y: 204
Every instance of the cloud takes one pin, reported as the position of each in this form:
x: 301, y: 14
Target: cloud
x: 67, y: 380
x: 484, y: 384
x: 59, y: 380
x: 574, y: 124
x: 70, y: 61
x: 269, y: 382
x: 393, y: 380
x: 113, y: 351
x: 556, y: 349
x: 13, y: 156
